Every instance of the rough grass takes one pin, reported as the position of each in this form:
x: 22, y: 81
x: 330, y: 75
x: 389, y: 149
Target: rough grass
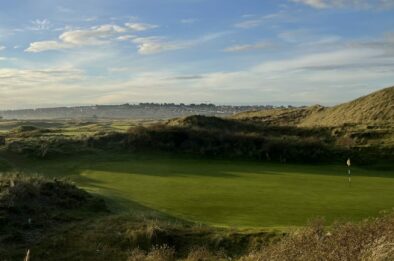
x: 128, y: 237
x: 121, y: 239
x: 369, y: 240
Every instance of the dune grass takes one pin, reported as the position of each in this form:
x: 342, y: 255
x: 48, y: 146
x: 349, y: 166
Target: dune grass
x: 228, y: 193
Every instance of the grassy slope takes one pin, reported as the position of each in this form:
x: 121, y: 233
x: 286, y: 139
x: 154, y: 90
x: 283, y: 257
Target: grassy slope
x: 226, y: 193
x: 376, y: 108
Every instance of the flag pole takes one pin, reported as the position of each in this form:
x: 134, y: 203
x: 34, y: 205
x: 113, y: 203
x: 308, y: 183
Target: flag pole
x: 348, y: 163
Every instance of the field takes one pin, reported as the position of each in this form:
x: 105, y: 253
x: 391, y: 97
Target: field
x: 223, y: 193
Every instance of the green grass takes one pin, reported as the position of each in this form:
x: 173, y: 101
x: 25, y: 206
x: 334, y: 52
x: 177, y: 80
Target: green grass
x: 228, y: 193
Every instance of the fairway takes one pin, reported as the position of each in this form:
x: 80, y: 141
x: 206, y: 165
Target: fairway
x: 230, y: 193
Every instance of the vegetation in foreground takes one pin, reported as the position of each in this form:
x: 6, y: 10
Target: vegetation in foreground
x: 85, y: 230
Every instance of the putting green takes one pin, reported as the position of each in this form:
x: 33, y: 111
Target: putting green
x: 232, y: 193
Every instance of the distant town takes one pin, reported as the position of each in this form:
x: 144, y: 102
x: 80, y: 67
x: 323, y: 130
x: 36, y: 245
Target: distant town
x: 129, y: 111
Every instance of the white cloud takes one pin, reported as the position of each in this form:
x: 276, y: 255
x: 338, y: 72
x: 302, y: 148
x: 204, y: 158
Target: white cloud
x: 94, y: 36
x: 42, y: 46
x: 307, y: 78
x: 2, y: 47
x: 358, y: 4
x: 248, y: 47
x: 139, y: 27
x: 75, y: 38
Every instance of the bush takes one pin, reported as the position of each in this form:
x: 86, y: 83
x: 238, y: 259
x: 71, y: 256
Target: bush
x: 36, y: 202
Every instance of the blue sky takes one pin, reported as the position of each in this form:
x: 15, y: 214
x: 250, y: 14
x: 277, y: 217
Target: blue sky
x: 55, y: 53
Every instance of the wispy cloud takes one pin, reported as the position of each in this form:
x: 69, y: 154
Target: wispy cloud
x: 249, y: 23
x: 187, y: 77
x: 156, y: 44
x: 139, y: 27
x: 126, y: 37
x: 308, y: 38
x: 2, y: 47
x: 313, y: 3
x: 248, y: 47
x: 256, y: 21
x: 358, y: 4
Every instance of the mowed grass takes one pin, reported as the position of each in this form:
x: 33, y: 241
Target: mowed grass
x: 230, y: 193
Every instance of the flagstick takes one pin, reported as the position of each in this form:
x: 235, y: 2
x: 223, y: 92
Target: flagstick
x: 348, y: 171
x: 27, y: 257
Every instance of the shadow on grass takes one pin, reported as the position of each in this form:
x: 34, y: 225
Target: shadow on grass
x: 167, y: 165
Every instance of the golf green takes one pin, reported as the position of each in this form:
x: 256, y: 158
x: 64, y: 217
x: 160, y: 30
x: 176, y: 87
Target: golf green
x: 231, y: 193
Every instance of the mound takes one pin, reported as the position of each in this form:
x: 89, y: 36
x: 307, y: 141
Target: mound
x: 25, y: 128
x: 199, y: 121
x: 212, y: 123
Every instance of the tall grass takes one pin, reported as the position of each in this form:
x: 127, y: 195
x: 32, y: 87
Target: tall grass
x: 370, y: 240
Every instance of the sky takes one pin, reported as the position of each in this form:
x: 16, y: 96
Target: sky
x: 298, y: 52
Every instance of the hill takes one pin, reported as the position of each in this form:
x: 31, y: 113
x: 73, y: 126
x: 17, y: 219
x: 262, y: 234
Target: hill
x: 376, y: 108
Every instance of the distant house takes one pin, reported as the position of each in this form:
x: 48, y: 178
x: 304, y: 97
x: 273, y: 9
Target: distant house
x: 2, y: 140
